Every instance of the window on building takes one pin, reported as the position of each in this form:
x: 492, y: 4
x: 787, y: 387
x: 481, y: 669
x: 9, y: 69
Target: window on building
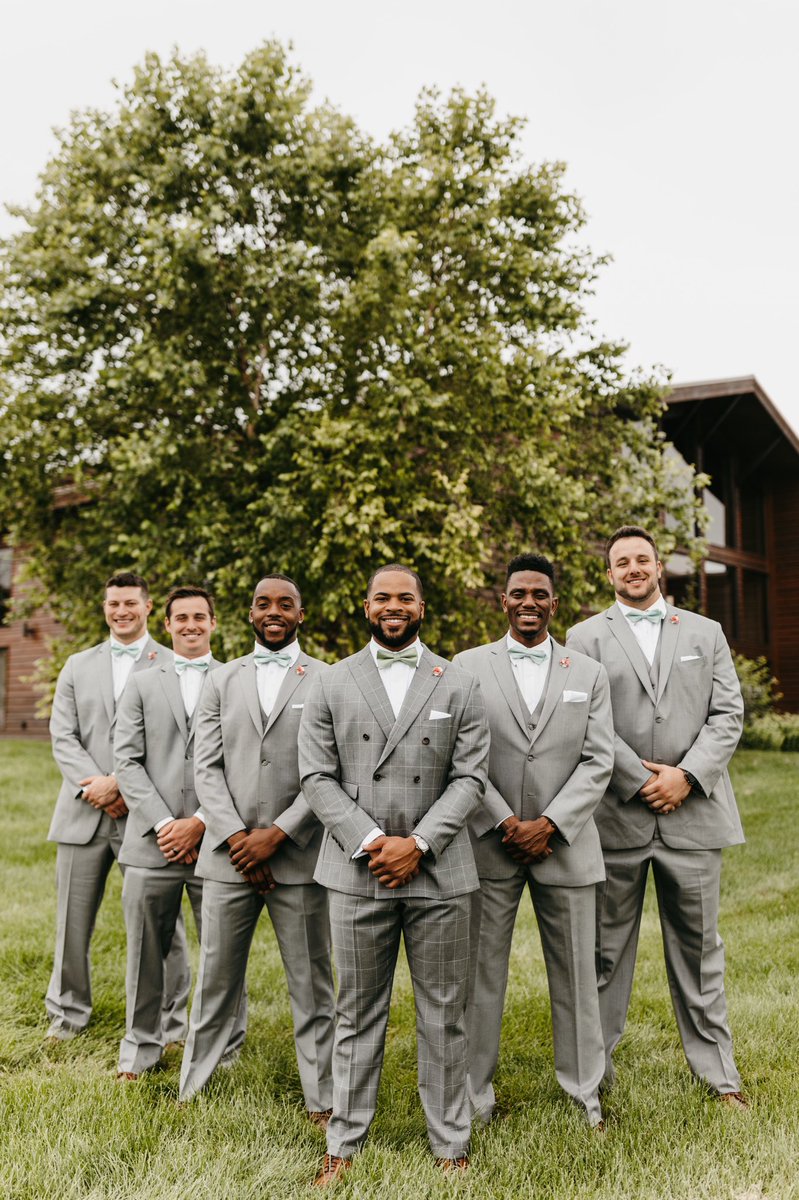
x: 720, y: 603
x: 6, y: 570
x: 3, y: 686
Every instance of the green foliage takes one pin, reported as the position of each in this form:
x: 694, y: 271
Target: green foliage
x: 773, y: 731
x: 248, y: 339
x: 758, y: 687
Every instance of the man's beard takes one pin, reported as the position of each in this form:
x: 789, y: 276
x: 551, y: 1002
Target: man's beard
x: 394, y: 641
x: 288, y: 637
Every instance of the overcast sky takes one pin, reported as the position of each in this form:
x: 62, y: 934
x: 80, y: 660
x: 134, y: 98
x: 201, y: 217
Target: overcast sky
x: 678, y: 123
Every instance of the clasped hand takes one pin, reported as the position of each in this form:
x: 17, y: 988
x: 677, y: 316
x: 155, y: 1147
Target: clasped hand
x: 665, y: 789
x: 527, y: 841
x: 249, y: 851
x: 394, y: 860
x: 178, y: 841
x: 101, y: 792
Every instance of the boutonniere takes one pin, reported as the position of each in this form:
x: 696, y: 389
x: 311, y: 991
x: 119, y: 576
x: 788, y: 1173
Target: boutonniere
x: 153, y: 654
x: 438, y: 671
x: 300, y: 670
x: 675, y: 620
x: 565, y: 662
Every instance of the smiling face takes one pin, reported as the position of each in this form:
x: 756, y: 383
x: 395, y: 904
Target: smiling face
x: 394, y: 609
x: 276, y: 613
x: 126, y: 610
x: 190, y: 626
x: 635, y: 572
x: 531, y: 604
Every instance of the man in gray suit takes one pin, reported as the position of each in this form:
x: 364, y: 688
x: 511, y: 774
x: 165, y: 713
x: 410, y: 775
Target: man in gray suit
x: 677, y: 713
x: 89, y: 818
x: 154, y: 766
x: 393, y: 751
x: 260, y: 848
x: 550, y: 762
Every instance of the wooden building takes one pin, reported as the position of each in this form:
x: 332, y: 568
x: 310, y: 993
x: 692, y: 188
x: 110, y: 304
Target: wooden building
x: 730, y: 429
x: 749, y: 581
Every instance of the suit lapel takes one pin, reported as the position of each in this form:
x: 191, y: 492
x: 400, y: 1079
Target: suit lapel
x: 106, y: 676
x: 292, y: 680
x: 620, y: 628
x: 558, y: 677
x: 669, y: 634
x: 171, y: 686
x: 417, y: 695
x: 365, y: 673
x: 249, y: 689
x: 501, y: 664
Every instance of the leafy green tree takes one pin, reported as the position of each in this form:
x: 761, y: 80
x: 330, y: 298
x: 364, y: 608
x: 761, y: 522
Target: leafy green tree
x: 246, y: 338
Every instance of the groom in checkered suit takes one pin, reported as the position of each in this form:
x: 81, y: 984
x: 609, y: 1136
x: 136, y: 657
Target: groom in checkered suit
x: 393, y: 750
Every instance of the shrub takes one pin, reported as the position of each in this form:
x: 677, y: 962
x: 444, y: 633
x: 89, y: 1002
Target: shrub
x: 774, y: 731
x: 758, y: 685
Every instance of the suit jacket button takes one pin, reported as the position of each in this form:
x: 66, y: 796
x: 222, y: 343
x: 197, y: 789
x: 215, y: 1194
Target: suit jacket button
x: 658, y: 719
x: 425, y: 741
x: 377, y: 777
x: 530, y: 757
x: 264, y: 762
x: 417, y: 778
x: 366, y: 737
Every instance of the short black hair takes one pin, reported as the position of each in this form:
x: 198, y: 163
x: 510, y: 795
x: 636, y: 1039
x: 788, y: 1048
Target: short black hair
x: 285, y: 578
x: 185, y: 593
x: 128, y: 579
x: 395, y: 566
x: 531, y: 562
x: 625, y: 531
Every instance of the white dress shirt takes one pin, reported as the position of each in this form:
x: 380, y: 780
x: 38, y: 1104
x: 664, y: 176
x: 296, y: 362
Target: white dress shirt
x: 531, y: 676
x: 646, y: 633
x: 122, y: 664
x: 269, y: 676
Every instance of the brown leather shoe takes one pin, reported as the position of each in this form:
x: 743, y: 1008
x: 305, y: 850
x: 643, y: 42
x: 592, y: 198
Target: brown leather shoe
x: 127, y: 1076
x: 321, y: 1119
x: 332, y: 1169
x: 734, y: 1100
x: 458, y: 1165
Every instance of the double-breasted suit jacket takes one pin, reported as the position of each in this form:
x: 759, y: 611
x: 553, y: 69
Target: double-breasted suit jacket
x: 554, y: 763
x: 82, y: 728
x: 421, y: 773
x: 246, y: 776
x: 690, y: 718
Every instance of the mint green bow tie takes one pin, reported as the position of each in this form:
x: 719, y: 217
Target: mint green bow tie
x: 119, y: 651
x: 537, y: 656
x: 655, y: 617
x: 180, y: 667
x: 385, y: 658
x: 265, y: 657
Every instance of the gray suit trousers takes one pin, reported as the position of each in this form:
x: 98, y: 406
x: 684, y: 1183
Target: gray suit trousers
x: 366, y: 938
x: 687, y: 883
x: 230, y: 912
x: 81, y: 873
x: 566, y: 924
x: 151, y: 902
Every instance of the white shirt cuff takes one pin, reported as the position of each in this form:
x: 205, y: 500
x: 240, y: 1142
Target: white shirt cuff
x: 164, y: 821
x: 370, y: 837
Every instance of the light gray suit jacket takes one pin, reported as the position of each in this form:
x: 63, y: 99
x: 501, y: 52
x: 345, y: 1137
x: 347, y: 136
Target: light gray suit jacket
x: 82, y: 731
x: 420, y: 773
x: 154, y: 760
x: 558, y: 769
x: 245, y: 770
x: 693, y: 721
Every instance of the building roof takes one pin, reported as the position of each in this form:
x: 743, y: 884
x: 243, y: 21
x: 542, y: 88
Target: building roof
x: 737, y: 411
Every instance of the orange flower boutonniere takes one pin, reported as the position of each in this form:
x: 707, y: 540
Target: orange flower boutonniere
x: 675, y: 620
x: 300, y: 670
x: 438, y: 671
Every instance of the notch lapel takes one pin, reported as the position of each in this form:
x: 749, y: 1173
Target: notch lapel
x: 106, y: 677
x: 669, y: 635
x: 501, y: 665
x: 171, y: 686
x: 292, y: 680
x: 620, y: 628
x: 417, y: 695
x: 365, y: 673
x: 558, y: 677
x: 249, y: 689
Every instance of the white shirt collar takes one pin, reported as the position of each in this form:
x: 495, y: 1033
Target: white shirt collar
x: 139, y: 644
x: 204, y: 658
x: 375, y: 646
x: 513, y: 644
x: 293, y: 650
x: 658, y: 606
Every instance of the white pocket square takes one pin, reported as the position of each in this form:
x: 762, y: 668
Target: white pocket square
x: 689, y: 657
x: 435, y: 715
x: 296, y: 706
x: 574, y: 697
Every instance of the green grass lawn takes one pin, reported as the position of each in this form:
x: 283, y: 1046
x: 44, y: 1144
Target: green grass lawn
x: 68, y: 1130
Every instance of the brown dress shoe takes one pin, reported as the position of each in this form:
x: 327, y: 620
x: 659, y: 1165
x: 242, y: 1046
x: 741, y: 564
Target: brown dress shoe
x: 734, y: 1100
x: 458, y: 1165
x: 332, y: 1169
x: 127, y: 1076
x: 321, y: 1119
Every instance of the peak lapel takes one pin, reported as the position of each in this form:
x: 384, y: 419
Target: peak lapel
x: 558, y: 677
x: 669, y: 635
x: 620, y: 628
x: 171, y: 686
x: 501, y: 665
x: 422, y: 686
x: 292, y: 680
x: 365, y: 673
